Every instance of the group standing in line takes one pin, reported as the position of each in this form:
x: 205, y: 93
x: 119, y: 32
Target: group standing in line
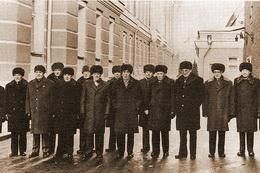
x: 59, y: 105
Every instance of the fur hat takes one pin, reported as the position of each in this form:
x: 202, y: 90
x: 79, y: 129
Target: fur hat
x: 18, y: 70
x: 57, y: 65
x: 127, y: 67
x: 39, y: 68
x: 161, y: 68
x: 218, y: 66
x: 68, y: 70
x: 96, y: 69
x: 246, y: 65
x: 186, y: 65
x: 85, y: 68
x: 149, y: 67
x: 116, y: 68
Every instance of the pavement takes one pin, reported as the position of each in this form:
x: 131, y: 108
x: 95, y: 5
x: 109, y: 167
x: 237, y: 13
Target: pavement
x: 141, y: 163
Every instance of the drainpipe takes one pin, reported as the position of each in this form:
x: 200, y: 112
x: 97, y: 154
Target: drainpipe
x: 49, y: 22
x: 135, y: 36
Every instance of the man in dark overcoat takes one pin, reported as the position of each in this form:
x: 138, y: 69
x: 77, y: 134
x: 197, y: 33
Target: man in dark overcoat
x: 126, y: 98
x: 161, y: 110
x: 95, y: 107
x: 218, y: 107
x: 110, y: 122
x: 39, y: 102
x: 82, y: 138
x: 2, y: 107
x: 66, y: 98
x: 55, y: 76
x: 18, y: 121
x: 143, y: 117
x: 189, y: 90
x: 247, y: 107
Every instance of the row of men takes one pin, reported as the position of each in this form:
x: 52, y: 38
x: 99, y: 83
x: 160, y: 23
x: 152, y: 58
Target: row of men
x: 59, y: 104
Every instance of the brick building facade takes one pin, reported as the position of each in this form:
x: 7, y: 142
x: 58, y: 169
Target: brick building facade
x: 252, y: 35
x: 79, y: 32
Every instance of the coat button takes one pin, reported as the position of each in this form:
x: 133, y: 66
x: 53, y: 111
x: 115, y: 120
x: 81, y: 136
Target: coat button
x: 182, y: 105
x: 183, y: 96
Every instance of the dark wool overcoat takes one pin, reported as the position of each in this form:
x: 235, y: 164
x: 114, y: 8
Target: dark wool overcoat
x: 189, y: 96
x: 161, y: 104
x: 39, y: 104
x: 66, y: 109
x: 247, y: 103
x: 94, y: 105
x: 15, y: 98
x: 2, y: 106
x: 126, y: 103
x: 218, y: 105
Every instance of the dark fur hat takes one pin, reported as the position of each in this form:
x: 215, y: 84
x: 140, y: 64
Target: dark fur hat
x: 161, y: 68
x: 149, y: 67
x: 96, y: 69
x: 127, y: 67
x: 246, y: 65
x: 18, y: 70
x: 116, y: 68
x: 218, y: 66
x: 39, y: 68
x: 85, y: 68
x: 57, y: 65
x: 68, y: 70
x: 186, y: 65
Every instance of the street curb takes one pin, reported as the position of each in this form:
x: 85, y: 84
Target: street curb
x: 5, y: 136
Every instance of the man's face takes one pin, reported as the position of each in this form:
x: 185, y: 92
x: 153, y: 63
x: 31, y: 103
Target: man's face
x: 245, y: 73
x: 86, y: 74
x: 148, y: 74
x: 96, y: 76
x: 117, y: 75
x: 18, y: 77
x: 67, y: 77
x: 185, y: 72
x: 125, y: 74
x: 57, y: 72
x: 39, y: 75
x: 217, y: 74
x: 160, y: 75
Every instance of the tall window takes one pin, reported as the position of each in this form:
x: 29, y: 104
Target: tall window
x: 38, y: 27
x: 111, y: 45
x: 124, y: 47
x: 98, y: 36
x: 130, y: 60
x: 81, y: 37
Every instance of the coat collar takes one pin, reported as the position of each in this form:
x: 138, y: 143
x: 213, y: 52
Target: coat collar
x: 189, y: 79
x: 223, y: 82
x: 130, y: 84
x: 41, y: 83
x: 101, y: 85
x: 23, y: 82
x: 251, y: 80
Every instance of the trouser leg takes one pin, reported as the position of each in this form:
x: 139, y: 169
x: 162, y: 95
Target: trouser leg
x: 99, y: 143
x: 14, y: 143
x: 146, y: 139
x: 121, y: 143
x: 221, y: 142
x: 45, y: 143
x: 156, y: 142
x: 112, y: 139
x: 60, y: 147
x: 212, y: 141
x: 130, y: 143
x: 69, y: 143
x: 193, y: 142
x: 250, y: 141
x: 242, y: 142
x: 52, y: 141
x: 165, y: 141
x: 89, y: 143
x: 22, y: 142
x: 36, y: 143
x: 82, y: 140
x: 183, y: 143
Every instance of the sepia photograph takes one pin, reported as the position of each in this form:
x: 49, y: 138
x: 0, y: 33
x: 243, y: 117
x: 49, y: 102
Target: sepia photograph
x: 129, y: 86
